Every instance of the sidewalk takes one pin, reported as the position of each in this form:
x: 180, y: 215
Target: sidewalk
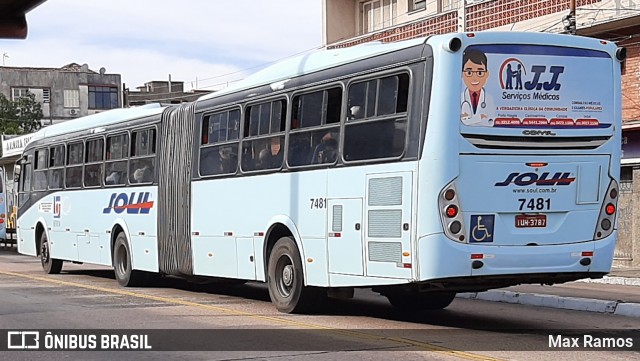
x: 617, y: 293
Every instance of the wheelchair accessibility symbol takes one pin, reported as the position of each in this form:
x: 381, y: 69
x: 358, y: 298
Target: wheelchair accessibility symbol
x: 482, y: 228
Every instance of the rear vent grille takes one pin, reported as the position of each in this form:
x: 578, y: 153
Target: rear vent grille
x: 385, y: 252
x: 385, y: 223
x: 336, y: 225
x: 547, y: 142
x: 385, y: 191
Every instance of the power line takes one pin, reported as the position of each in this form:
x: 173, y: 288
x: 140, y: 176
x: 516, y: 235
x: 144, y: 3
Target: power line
x: 315, y: 48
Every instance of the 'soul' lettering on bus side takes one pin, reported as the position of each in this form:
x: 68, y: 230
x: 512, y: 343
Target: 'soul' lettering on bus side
x: 527, y: 179
x: 139, y: 204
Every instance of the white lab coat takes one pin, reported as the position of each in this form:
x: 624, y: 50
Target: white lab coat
x: 485, y: 107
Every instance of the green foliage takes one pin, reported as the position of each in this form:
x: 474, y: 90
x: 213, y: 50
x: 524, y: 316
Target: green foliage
x: 21, y: 116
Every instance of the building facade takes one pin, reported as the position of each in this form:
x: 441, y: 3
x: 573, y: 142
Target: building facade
x: 170, y: 92
x: 352, y: 22
x: 65, y: 93
x: 68, y: 92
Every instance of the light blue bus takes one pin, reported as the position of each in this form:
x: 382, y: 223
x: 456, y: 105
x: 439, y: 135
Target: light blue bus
x: 4, y: 217
x: 422, y: 168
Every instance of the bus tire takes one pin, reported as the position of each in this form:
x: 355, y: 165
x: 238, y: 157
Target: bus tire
x: 49, y: 265
x: 416, y: 301
x: 125, y: 275
x: 285, y: 279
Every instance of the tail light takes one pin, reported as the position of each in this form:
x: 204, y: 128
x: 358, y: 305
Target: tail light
x: 452, y: 220
x: 607, y: 218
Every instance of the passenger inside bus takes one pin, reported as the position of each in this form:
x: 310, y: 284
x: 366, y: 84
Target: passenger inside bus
x: 327, y: 150
x: 228, y: 160
x: 143, y: 175
x: 113, y: 178
x: 56, y: 178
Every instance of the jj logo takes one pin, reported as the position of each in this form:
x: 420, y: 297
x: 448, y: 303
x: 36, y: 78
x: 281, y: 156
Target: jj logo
x: 56, y: 207
x: 513, y: 72
x: 134, y: 204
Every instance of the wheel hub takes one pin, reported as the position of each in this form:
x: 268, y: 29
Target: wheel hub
x: 44, y: 254
x: 287, y: 275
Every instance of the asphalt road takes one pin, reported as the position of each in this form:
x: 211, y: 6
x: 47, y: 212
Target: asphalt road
x: 222, y: 322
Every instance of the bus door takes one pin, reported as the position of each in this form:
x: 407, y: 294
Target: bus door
x: 388, y: 224
x: 345, y: 236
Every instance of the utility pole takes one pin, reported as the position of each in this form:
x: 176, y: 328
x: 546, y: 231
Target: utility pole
x: 4, y: 56
x: 570, y: 26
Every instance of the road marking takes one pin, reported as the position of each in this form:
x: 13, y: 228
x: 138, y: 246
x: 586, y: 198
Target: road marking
x: 353, y: 333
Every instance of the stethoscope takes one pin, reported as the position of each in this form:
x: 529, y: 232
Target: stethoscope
x: 483, y: 104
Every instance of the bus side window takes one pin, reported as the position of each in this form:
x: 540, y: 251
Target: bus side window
x: 315, y: 128
x: 264, y: 127
x: 219, y: 148
x: 93, y: 168
x: 56, y: 167
x: 73, y: 171
x: 40, y: 175
x: 143, y: 159
x: 25, y: 184
x: 116, y: 163
x: 381, y: 131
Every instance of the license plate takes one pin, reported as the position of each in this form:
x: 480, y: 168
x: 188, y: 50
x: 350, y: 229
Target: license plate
x: 531, y: 221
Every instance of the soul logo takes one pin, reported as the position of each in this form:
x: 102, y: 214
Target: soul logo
x: 120, y: 202
x: 527, y: 179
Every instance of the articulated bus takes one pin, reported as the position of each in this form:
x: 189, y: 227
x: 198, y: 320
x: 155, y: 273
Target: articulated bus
x: 420, y: 169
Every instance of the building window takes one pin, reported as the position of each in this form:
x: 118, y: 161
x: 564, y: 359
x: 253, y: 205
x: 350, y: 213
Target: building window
x: 72, y: 99
x: 19, y: 93
x: 46, y: 95
x: 446, y: 5
x: 626, y: 179
x: 377, y: 14
x: 103, y: 97
x: 416, y: 5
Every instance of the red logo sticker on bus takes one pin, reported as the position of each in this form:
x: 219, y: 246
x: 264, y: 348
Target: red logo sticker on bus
x: 57, y: 205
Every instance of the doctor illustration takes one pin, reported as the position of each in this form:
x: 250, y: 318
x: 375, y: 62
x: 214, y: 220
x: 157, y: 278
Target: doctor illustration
x: 477, y: 107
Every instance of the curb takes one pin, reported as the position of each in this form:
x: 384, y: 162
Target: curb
x: 613, y: 280
x: 552, y: 301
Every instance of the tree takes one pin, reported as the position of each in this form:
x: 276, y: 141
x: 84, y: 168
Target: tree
x: 20, y: 116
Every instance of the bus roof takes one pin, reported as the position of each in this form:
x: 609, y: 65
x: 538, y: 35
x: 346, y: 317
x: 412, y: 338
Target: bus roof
x: 313, y: 62
x: 102, y: 119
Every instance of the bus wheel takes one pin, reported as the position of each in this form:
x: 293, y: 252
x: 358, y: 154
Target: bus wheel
x: 415, y: 301
x: 50, y: 265
x: 286, y: 281
x: 126, y: 276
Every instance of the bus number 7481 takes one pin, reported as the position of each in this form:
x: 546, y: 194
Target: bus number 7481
x: 318, y: 203
x: 535, y: 204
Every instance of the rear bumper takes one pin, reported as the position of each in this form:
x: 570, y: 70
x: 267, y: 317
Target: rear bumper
x: 443, y: 261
